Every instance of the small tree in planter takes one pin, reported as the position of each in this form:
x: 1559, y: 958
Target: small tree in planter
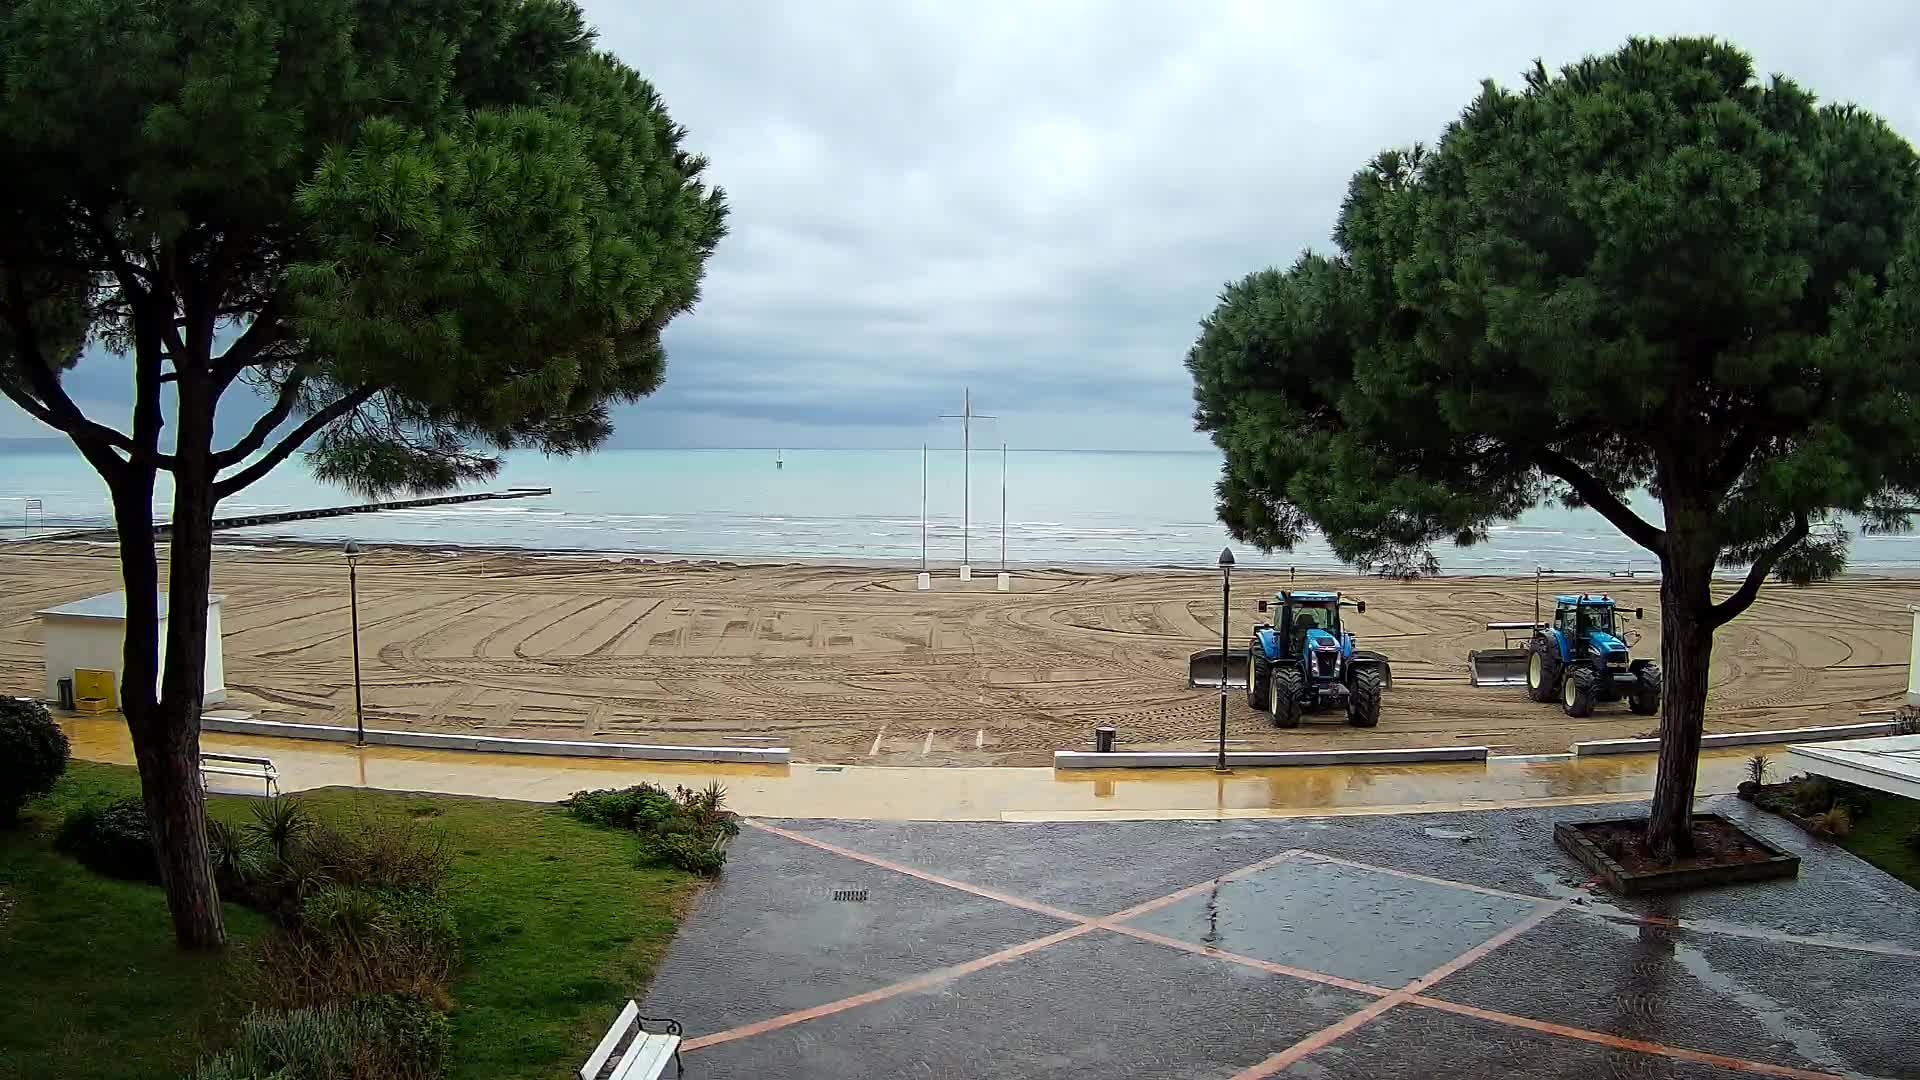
x: 33, y: 754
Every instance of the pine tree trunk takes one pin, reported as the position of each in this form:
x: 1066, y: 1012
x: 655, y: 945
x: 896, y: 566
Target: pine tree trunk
x: 177, y: 805
x: 1686, y: 650
x: 166, y: 743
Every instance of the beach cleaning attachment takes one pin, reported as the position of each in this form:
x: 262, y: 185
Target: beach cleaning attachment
x: 1507, y: 665
x: 1209, y: 668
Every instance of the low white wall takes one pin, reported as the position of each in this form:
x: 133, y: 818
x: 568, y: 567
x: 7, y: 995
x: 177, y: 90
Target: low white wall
x: 1188, y: 759
x: 1741, y: 738
x: 769, y: 755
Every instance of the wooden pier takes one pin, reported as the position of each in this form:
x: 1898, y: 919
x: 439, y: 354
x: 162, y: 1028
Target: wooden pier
x: 364, y: 508
x: 163, y: 530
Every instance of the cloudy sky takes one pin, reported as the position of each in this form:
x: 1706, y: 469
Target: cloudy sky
x: 1040, y: 201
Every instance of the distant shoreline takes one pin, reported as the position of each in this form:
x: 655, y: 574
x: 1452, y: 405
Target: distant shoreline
x: 1243, y: 570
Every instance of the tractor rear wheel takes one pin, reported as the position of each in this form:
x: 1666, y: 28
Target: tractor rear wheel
x: 1363, y: 701
x: 1258, y: 672
x: 1283, y: 693
x: 1543, y: 670
x: 1644, y: 698
x: 1578, y: 691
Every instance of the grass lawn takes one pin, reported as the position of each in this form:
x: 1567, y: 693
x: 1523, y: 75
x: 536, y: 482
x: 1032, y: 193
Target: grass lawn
x: 559, y: 925
x: 1881, y: 838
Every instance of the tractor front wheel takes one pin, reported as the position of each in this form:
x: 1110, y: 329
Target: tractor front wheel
x: 1644, y: 698
x: 1258, y: 672
x: 1578, y: 691
x: 1363, y: 702
x: 1543, y: 670
x: 1283, y: 691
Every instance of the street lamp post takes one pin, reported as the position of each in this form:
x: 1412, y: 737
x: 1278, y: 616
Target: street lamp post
x: 353, y: 606
x: 1226, y: 610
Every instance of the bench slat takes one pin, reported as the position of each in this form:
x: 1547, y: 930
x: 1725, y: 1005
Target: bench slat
x: 628, y: 1017
x: 647, y: 1058
x: 265, y: 762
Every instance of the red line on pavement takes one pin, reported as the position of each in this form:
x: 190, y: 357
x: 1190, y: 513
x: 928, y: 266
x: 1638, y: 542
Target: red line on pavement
x: 1315, y: 856
x: 934, y: 978
x: 1197, y: 887
x: 1413, y: 993
x: 1619, y: 1043
x: 1252, y: 962
x: 905, y: 986
x: 901, y: 868
x: 1708, y: 926
x: 1332, y: 1032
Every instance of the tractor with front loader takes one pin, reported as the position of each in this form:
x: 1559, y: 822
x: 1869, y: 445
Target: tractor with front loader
x: 1578, y: 658
x: 1303, y: 661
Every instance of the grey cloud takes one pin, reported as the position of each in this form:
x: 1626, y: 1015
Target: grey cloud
x: 1045, y: 199
x: 1042, y: 200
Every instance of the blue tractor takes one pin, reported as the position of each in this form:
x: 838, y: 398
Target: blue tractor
x: 1577, y: 658
x: 1304, y: 661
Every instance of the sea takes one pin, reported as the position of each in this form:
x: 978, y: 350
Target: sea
x: 1023, y: 508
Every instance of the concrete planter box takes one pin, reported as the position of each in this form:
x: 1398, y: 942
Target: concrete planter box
x: 1203, y: 759
x: 1572, y: 838
x: 1742, y: 738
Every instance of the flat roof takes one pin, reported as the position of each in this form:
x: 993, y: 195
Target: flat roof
x: 109, y: 605
x: 1889, y: 763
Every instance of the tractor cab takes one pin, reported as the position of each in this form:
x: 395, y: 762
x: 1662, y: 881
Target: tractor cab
x: 1586, y: 623
x: 1308, y: 621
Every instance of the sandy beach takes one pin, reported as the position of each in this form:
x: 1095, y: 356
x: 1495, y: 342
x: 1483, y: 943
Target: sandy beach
x: 853, y: 665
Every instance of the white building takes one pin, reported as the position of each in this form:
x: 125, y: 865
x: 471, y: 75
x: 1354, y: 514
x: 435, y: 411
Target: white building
x: 91, y: 634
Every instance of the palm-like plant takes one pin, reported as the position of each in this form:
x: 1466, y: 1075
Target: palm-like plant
x: 278, y: 823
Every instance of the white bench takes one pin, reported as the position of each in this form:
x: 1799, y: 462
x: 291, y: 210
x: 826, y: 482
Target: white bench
x: 629, y: 1051
x: 253, y: 768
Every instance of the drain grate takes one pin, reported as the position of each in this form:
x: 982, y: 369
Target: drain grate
x: 850, y: 896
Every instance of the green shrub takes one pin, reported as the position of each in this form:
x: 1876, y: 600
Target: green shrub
x: 380, y: 853
x: 279, y: 823
x: 685, y: 850
x: 237, y: 866
x: 354, y: 940
x: 643, y: 807
x: 414, y: 1035
x: 376, y: 1037
x: 687, y: 829
x: 114, y: 839
x: 1812, y: 796
x: 1834, y: 823
x: 33, y: 754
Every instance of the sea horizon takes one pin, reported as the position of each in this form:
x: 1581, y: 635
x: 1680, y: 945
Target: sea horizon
x: 1089, y: 509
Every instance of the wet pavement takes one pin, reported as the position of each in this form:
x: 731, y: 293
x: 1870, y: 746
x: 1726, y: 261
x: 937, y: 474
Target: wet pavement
x: 883, y: 793
x: 1458, y: 944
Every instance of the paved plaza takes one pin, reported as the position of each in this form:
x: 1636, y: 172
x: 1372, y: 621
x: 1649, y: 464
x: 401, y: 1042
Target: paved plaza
x: 1459, y: 944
